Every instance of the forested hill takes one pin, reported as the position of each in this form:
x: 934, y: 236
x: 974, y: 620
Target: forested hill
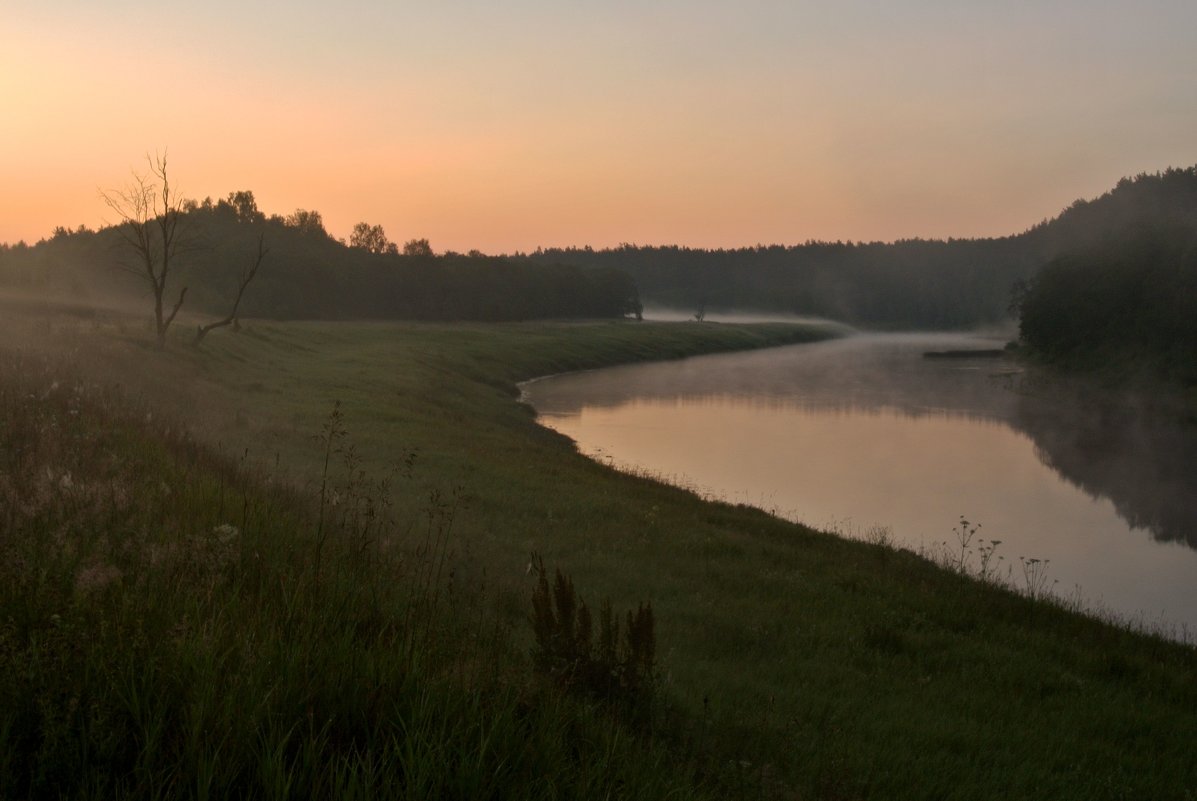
x: 1121, y: 308
x: 913, y: 283
x: 1119, y: 295
x: 307, y: 274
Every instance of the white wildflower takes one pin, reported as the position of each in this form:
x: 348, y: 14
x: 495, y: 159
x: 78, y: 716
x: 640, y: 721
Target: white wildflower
x: 226, y: 533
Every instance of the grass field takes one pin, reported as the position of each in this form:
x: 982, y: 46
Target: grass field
x: 792, y: 663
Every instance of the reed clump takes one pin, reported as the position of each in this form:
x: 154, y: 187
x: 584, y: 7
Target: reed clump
x: 618, y: 671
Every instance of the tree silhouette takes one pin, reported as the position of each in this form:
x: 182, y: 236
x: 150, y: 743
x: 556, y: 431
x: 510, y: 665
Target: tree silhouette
x: 151, y: 226
x: 371, y: 238
x: 417, y: 247
x: 308, y: 222
x: 245, y: 206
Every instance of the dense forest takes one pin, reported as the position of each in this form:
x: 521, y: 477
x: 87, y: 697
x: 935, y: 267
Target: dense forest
x: 1123, y: 306
x: 913, y: 283
x: 307, y: 274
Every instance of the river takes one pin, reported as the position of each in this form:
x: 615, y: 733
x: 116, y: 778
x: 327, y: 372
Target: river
x: 864, y: 433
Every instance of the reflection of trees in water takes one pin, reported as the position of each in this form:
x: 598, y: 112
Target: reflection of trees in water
x: 1140, y: 459
x: 1136, y: 457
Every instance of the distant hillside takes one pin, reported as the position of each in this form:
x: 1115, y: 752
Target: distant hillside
x: 309, y: 275
x: 1125, y: 306
x: 913, y: 283
x: 1165, y: 199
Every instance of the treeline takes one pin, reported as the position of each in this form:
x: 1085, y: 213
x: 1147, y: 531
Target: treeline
x: 908, y: 284
x: 308, y: 274
x: 914, y: 283
x: 1123, y: 306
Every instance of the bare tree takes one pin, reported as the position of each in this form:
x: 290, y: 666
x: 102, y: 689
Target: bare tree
x: 247, y: 275
x: 150, y: 225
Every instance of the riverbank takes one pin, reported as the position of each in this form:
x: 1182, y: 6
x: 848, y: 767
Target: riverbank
x: 793, y: 660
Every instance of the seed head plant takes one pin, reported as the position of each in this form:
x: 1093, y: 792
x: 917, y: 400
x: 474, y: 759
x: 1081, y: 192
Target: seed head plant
x: 618, y: 672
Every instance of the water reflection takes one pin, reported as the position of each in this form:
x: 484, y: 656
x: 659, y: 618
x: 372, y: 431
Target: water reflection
x: 1140, y: 458
x: 866, y: 428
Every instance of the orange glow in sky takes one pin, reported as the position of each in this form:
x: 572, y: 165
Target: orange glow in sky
x: 507, y: 126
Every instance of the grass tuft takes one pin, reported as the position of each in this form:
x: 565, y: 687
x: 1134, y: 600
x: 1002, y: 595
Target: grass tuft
x: 618, y: 671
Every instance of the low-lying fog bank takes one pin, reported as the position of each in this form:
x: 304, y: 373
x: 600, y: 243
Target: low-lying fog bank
x: 667, y: 314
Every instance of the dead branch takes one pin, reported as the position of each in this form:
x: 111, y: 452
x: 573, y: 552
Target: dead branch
x: 247, y: 275
x: 151, y: 227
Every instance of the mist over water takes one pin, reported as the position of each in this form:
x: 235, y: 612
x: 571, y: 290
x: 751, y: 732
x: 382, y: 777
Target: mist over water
x: 864, y: 431
x: 672, y: 314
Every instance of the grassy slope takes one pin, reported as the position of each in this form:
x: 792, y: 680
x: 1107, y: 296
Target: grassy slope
x: 171, y: 626
x: 835, y: 668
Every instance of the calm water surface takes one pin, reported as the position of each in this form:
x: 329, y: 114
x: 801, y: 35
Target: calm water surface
x: 865, y: 431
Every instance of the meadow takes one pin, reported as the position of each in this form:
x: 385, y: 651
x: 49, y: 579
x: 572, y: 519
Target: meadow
x: 299, y: 561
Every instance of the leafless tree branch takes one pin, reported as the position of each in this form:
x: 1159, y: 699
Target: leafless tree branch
x: 247, y: 275
x: 152, y: 229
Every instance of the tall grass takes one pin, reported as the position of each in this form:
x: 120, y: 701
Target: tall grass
x: 174, y: 625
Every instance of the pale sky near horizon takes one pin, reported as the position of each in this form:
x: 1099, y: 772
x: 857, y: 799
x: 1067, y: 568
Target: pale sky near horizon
x: 507, y: 126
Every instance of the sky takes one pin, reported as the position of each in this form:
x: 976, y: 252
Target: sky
x: 508, y: 126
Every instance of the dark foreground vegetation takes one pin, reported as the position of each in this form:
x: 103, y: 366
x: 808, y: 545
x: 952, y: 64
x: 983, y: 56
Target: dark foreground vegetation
x: 915, y: 283
x: 174, y: 624
x: 177, y: 623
